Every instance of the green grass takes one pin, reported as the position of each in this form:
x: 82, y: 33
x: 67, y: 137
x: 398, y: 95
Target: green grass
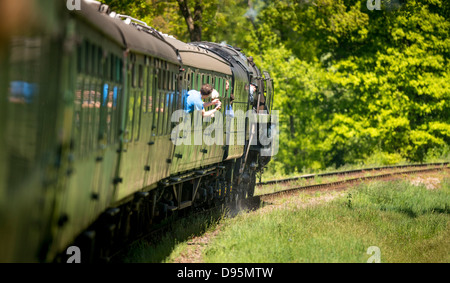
x: 408, y: 223
x: 173, y: 242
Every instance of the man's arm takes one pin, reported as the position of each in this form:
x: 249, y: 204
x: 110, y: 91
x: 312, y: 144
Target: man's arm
x: 215, y: 101
x: 210, y: 112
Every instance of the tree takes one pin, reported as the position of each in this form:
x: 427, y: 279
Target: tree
x: 193, y: 20
x: 212, y: 20
x: 377, y: 80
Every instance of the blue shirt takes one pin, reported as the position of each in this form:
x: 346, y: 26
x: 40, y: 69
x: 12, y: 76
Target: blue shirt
x: 193, y: 101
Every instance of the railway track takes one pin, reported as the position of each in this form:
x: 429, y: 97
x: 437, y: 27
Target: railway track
x: 252, y: 203
x: 351, y: 172
x: 392, y: 172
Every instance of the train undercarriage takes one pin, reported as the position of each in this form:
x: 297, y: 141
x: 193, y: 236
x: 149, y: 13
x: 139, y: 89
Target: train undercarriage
x: 194, y: 191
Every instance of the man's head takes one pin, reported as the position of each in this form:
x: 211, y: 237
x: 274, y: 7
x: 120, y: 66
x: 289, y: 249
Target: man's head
x: 206, y: 90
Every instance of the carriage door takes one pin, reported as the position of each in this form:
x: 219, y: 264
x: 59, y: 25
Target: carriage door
x: 148, y: 97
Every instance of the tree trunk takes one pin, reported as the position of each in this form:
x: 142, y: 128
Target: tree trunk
x: 194, y: 22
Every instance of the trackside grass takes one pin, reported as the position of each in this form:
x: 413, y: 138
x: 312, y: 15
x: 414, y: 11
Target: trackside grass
x: 408, y: 223
x: 174, y: 241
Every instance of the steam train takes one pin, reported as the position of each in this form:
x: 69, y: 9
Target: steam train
x: 88, y: 151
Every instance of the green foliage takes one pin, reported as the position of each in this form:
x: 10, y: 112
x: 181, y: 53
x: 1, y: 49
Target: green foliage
x: 351, y: 84
x: 221, y: 20
x: 409, y: 223
x: 168, y: 246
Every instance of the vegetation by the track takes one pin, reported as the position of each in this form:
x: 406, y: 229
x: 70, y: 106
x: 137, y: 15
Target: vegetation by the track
x: 172, y: 242
x: 407, y: 222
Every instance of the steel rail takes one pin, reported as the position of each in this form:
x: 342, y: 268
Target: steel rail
x: 339, y: 184
x: 311, y: 176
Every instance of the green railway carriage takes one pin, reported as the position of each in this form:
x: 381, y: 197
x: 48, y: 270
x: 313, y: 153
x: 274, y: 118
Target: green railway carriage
x: 239, y: 88
x: 94, y: 81
x: 200, y: 67
x: 254, y: 156
x: 152, y: 94
x: 32, y: 126
x: 87, y: 156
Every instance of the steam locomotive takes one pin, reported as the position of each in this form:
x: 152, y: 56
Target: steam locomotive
x: 89, y: 152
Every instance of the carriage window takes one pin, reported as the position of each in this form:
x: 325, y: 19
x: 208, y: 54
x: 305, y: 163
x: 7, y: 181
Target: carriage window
x: 216, y: 84
x: 141, y: 76
x: 118, y: 69
x: 145, y: 87
x: 85, y: 117
x: 133, y: 75
x: 174, y: 80
x: 112, y: 119
x: 158, y: 78
x: 161, y: 112
x: 130, y: 116
x: 144, y: 102
x: 156, y: 103
x: 137, y: 117
x: 87, y: 55
x: 100, y: 61
x: 103, y: 112
x: 80, y: 57
x: 93, y: 61
x: 150, y: 87
x: 77, y: 112
x: 222, y: 87
x: 90, y: 59
x: 169, y: 104
x: 97, y: 102
x: 166, y: 79
x: 112, y: 67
